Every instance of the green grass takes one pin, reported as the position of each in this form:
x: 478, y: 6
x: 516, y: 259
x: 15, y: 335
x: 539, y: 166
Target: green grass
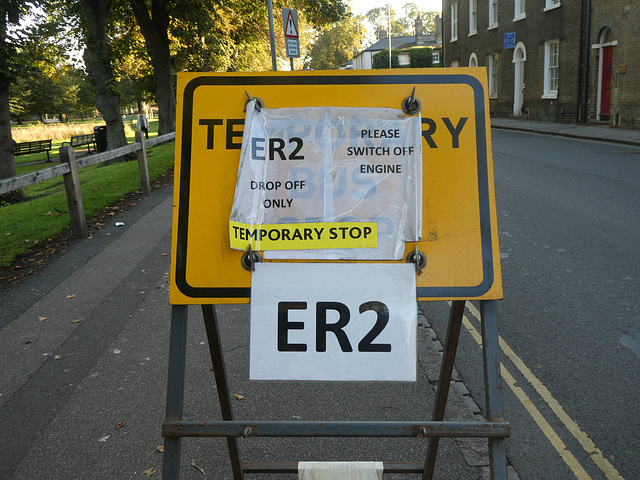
x: 47, y: 214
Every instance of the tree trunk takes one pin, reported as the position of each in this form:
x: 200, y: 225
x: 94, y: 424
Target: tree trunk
x: 94, y: 16
x: 155, y: 32
x: 165, y: 95
x: 7, y: 164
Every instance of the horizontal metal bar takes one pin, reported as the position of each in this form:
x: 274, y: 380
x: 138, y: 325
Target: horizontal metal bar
x: 334, y: 429
x: 292, y: 467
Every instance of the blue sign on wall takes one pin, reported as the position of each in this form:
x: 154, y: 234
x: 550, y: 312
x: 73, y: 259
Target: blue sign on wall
x: 510, y: 40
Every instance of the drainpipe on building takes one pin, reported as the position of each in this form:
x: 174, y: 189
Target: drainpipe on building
x: 582, y: 102
x: 559, y: 108
x: 585, y: 116
x: 582, y: 63
x: 443, y: 57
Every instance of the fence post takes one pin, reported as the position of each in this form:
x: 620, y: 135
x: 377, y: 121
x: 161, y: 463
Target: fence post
x: 74, y: 195
x: 143, y: 167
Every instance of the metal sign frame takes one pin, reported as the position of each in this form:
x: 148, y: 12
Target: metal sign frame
x: 487, y: 289
x: 495, y: 428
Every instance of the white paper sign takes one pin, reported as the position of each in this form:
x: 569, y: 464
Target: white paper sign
x: 331, y: 165
x: 331, y: 321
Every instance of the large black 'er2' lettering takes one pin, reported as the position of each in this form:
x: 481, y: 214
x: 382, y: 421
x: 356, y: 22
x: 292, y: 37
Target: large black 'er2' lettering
x: 284, y: 325
x: 322, y: 327
x: 336, y: 328
x: 382, y: 311
x: 275, y: 146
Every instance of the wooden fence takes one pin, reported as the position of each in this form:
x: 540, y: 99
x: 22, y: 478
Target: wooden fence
x: 69, y: 166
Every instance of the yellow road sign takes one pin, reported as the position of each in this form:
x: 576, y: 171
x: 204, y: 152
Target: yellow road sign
x: 459, y: 227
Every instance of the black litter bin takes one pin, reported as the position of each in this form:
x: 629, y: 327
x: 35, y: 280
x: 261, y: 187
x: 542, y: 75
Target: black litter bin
x: 101, y: 138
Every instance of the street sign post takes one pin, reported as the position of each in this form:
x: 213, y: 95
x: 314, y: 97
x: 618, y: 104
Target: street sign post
x: 291, y: 33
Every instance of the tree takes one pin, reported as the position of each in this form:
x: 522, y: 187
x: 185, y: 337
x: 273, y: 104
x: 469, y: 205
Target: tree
x: 381, y: 59
x: 8, y: 61
x: 428, y: 22
x: 50, y: 90
x: 250, y: 37
x: 379, y: 17
x: 131, y: 62
x: 245, y: 26
x: 214, y: 33
x: 94, y: 15
x: 155, y: 29
x: 400, y: 26
x: 420, y: 57
x: 84, y: 101
x: 336, y: 43
x: 412, y: 12
x: 23, y: 49
x: 18, y: 100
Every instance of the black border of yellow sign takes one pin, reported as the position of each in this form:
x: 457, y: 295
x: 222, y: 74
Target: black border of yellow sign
x: 484, y: 187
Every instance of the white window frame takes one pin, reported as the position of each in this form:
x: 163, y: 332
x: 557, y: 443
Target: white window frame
x: 551, y: 4
x: 551, y: 69
x: 454, y: 64
x: 493, y: 14
x: 492, y: 74
x: 454, y: 21
x: 519, y: 10
x: 473, y: 17
x: 473, y: 60
x: 435, y: 58
x: 404, y: 58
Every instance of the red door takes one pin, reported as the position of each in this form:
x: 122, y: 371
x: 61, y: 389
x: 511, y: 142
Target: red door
x: 605, y: 84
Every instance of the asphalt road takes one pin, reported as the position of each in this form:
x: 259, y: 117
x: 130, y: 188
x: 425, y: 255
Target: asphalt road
x: 569, y: 223
x: 83, y: 367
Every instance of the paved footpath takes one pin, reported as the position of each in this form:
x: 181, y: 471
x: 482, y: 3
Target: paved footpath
x: 83, y: 365
x: 585, y: 132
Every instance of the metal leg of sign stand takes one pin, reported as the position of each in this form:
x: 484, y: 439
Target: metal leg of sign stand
x: 224, y: 394
x: 175, y: 389
x: 493, y: 386
x: 173, y: 429
x: 446, y: 371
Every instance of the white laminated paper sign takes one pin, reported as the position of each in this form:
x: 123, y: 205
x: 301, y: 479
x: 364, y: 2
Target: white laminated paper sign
x: 328, y: 183
x: 333, y: 321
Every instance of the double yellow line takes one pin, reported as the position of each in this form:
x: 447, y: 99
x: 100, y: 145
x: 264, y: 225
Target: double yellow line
x: 583, y: 439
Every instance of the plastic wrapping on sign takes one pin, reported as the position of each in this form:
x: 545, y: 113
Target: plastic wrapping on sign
x: 327, y: 166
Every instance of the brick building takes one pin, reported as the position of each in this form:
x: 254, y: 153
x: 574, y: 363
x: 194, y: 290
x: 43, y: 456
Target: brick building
x: 568, y: 61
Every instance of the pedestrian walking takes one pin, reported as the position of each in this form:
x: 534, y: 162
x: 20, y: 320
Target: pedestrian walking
x: 142, y: 123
